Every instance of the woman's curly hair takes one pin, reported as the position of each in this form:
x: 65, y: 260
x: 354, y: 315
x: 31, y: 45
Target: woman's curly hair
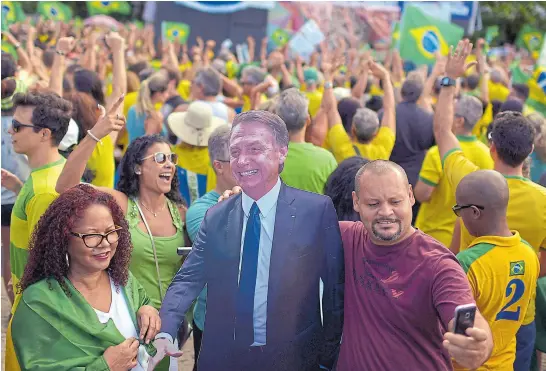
x: 129, y: 182
x: 49, y: 242
x: 341, y: 184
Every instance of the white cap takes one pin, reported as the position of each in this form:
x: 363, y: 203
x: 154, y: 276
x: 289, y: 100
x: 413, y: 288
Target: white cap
x: 71, y: 136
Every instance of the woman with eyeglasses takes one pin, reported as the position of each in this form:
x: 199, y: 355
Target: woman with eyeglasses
x: 148, y: 194
x: 145, y: 118
x: 81, y: 308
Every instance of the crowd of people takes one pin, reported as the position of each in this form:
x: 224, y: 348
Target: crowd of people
x: 338, y: 209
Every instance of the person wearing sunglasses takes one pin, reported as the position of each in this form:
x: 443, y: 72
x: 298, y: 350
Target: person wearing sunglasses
x: 40, y: 122
x: 511, y: 142
x: 78, y: 293
x: 148, y: 193
x: 497, y: 258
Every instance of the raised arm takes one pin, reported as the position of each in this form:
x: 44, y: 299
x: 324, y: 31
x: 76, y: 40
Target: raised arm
x: 389, y: 105
x: 443, y: 116
x: 76, y: 162
x: 63, y: 47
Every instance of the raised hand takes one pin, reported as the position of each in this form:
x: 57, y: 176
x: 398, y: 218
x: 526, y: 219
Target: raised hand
x: 455, y: 66
x: 109, y: 121
x: 378, y: 70
x: 66, y: 44
x: 114, y: 41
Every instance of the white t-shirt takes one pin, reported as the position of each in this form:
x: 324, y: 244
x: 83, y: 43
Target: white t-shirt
x: 119, y: 313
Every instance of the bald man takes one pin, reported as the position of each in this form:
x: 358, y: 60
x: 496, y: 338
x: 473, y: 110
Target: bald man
x: 501, y: 267
x: 401, y: 285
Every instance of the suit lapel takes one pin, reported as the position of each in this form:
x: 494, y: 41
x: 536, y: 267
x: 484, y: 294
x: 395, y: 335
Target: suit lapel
x: 285, y: 220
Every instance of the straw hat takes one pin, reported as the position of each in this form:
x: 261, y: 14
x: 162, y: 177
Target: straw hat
x: 195, y: 125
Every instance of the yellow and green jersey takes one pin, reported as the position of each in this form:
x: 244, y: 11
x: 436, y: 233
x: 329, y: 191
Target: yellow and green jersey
x: 195, y: 172
x: 503, y: 273
x: 35, y: 196
x: 379, y: 148
x: 435, y: 217
x: 526, y: 211
x: 102, y: 163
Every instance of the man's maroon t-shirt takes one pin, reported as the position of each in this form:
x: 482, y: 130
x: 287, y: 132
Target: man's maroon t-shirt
x: 399, y: 300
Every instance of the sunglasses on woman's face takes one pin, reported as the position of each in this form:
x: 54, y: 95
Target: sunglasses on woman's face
x: 161, y: 158
x: 16, y: 126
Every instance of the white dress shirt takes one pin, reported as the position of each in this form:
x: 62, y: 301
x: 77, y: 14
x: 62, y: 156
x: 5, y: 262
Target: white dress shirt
x: 268, y: 206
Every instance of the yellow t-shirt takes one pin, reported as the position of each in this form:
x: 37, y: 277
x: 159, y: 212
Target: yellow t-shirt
x: 480, y: 129
x: 379, y: 148
x: 184, y: 89
x: 498, y: 91
x: 195, y: 161
x: 246, y: 100
x: 526, y: 207
x: 503, y: 273
x: 35, y: 196
x: 435, y: 217
x: 315, y: 99
x: 102, y: 163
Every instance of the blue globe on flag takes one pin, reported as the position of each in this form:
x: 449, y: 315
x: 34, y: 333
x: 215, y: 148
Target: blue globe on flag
x: 430, y: 42
x: 175, y: 33
x: 5, y: 9
x: 105, y: 3
x: 541, y: 81
x: 53, y: 12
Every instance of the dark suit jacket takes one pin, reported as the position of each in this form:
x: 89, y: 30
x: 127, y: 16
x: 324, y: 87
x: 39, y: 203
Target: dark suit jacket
x: 306, y: 247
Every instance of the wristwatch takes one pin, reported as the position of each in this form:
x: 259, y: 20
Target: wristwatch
x: 447, y: 81
x: 328, y: 85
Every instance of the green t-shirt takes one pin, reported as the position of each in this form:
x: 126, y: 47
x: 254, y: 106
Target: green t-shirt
x: 308, y: 167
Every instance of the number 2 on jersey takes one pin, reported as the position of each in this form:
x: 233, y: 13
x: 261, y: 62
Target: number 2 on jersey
x: 518, y: 287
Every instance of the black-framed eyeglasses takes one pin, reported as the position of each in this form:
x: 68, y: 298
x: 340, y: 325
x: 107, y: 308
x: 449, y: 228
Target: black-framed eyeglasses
x: 16, y: 125
x: 457, y: 208
x: 161, y: 157
x: 93, y: 240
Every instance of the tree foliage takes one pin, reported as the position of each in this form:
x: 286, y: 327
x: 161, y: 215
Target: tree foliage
x: 512, y: 16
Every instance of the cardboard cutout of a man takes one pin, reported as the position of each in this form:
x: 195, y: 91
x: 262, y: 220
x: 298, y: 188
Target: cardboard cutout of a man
x: 262, y: 255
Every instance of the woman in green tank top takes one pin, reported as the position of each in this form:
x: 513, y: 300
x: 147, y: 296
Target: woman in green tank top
x: 148, y: 193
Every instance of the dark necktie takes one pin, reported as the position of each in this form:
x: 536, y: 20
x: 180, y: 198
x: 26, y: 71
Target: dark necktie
x: 244, y: 330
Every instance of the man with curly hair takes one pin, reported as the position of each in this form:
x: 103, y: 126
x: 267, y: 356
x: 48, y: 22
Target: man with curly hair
x: 40, y: 122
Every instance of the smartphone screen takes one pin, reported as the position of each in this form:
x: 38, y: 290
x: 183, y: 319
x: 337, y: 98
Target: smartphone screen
x: 183, y: 250
x: 464, y: 318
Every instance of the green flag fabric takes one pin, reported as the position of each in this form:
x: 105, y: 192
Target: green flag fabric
x: 174, y: 31
x: 529, y: 38
x: 108, y: 7
x: 421, y: 36
x: 12, y: 11
x: 491, y: 33
x: 395, y: 42
x: 280, y: 37
x: 55, y: 11
x: 51, y: 330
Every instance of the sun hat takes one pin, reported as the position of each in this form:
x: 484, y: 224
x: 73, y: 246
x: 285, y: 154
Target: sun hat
x: 195, y: 125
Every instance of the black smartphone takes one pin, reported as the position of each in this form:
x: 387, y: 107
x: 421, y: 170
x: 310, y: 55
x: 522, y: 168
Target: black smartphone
x: 464, y: 318
x: 183, y: 251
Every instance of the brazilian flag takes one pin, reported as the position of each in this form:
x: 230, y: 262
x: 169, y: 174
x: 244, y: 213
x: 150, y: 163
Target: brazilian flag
x: 491, y: 33
x: 280, y: 37
x: 12, y: 11
x: 108, y: 7
x: 10, y: 49
x: 421, y: 36
x: 529, y: 38
x: 537, y: 90
x: 173, y: 31
x: 55, y: 10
